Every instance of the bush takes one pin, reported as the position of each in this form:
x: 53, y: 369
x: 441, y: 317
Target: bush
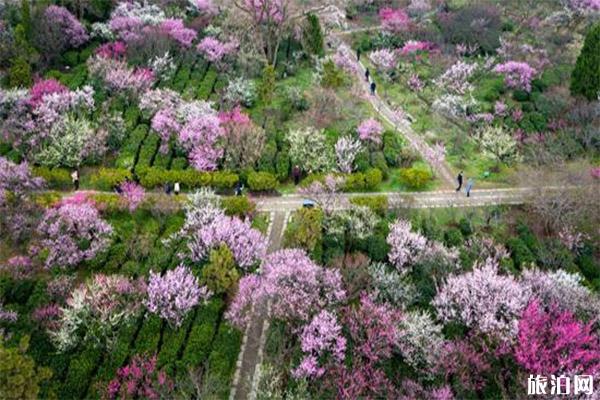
x: 377, y: 247
x: 71, y: 58
x: 56, y: 178
x: 453, y: 237
x: 221, y: 362
x: 521, y: 95
x: 378, y: 161
x: 19, y: 74
x: 305, y: 230
x: 261, y: 181
x: 415, y: 178
x: 378, y: 204
x: 240, y: 206
x: 519, y: 252
x: 199, y: 342
x: 282, y: 165
x: 332, y: 77
x: 80, y: 373
x: 108, y: 178
x: 465, y: 26
x: 465, y: 227
x: 361, y: 162
x: 220, y: 274
x: 265, y: 164
x: 392, y: 148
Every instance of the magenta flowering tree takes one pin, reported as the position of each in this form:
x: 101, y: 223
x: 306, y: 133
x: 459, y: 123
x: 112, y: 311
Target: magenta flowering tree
x: 321, y: 339
x: 247, y: 244
x: 178, y: 32
x: 19, y: 267
x: 140, y: 379
x: 370, y: 130
x: 394, y: 20
x: 132, y: 194
x: 115, y: 50
x: 413, y: 47
x: 296, y: 287
x: 174, y: 294
x: 517, y: 75
x: 483, y: 300
x: 57, y: 31
x: 554, y: 342
x: 243, y: 140
x: 467, y: 362
x: 72, y: 233
x: 215, y: 50
x: 406, y: 246
x: 42, y: 88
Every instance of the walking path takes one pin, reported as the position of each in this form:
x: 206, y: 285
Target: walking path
x: 441, y: 168
x: 247, y: 374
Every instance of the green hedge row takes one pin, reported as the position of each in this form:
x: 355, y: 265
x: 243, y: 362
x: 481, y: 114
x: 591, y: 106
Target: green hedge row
x: 173, y: 341
x: 80, y: 373
x: 148, y: 337
x: 378, y: 203
x: 149, y: 148
x: 108, y: 178
x: 221, y: 362
x: 355, y: 182
x: 207, y: 84
x: 129, y: 149
x: 201, y: 336
x: 56, y: 178
x: 157, y: 177
x: 261, y: 181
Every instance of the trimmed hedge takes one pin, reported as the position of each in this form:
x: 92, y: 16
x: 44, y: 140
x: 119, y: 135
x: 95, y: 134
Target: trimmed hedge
x: 261, y: 181
x: 147, y: 340
x: 221, y: 362
x: 361, y: 182
x: 238, y: 205
x: 152, y: 177
x: 378, y: 203
x: 149, y: 148
x: 173, y: 341
x: 415, y: 178
x: 56, y: 178
x: 108, y: 178
x: 129, y: 149
x: 80, y: 373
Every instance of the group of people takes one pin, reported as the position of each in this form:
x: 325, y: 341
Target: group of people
x: 468, y: 186
x: 372, y: 84
x: 172, y: 188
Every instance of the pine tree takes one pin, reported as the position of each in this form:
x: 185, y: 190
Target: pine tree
x: 26, y: 18
x: 313, y: 36
x: 267, y: 85
x: 585, y: 80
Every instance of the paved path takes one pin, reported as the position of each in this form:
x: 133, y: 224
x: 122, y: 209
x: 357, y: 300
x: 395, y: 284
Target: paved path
x: 247, y: 372
x: 441, y: 168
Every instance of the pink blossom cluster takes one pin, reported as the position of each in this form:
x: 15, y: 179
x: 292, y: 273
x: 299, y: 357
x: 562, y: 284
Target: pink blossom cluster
x: 406, y: 246
x: 266, y: 11
x: 18, y: 266
x: 132, y: 194
x: 412, y: 47
x: 517, y: 75
x: 436, y: 154
x: 73, y: 233
x: 121, y: 78
x: 47, y: 316
x: 585, y: 6
x: 6, y: 315
x: 344, y: 59
x: 18, y: 179
x: 323, y: 335
x: 370, y: 130
x: 42, y: 88
x: 456, y: 78
x: 115, y: 50
x: 61, y: 19
x: 394, y: 20
x: 483, y: 300
x: 296, y: 287
x: 554, y: 342
x: 247, y: 244
x: 415, y: 83
x: 215, y: 50
x: 178, y: 32
x: 595, y: 172
x: 140, y: 379
x: 234, y: 116
x: 174, y: 294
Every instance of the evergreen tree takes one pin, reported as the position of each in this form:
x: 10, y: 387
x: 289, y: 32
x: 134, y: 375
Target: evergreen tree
x: 313, y: 36
x: 26, y: 18
x: 19, y: 73
x: 267, y: 85
x: 585, y: 80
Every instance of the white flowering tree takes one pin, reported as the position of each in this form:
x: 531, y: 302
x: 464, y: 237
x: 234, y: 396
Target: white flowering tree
x: 497, y: 143
x: 309, y: 149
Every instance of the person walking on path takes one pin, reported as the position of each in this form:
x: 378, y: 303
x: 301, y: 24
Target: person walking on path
x: 373, y: 87
x: 296, y: 174
x: 75, y: 179
x: 177, y: 188
x: 459, y: 178
x: 238, y: 188
x: 358, y: 54
x: 367, y: 74
x: 469, y: 187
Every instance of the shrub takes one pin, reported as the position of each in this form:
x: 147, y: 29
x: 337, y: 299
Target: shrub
x: 239, y: 206
x: 378, y: 204
x: 71, y: 58
x: 261, y: 181
x: 56, y: 178
x: 476, y: 24
x: 80, y: 372
x: 220, y: 274
x: 305, y: 230
x: 392, y: 148
x: 313, y: 36
x: 19, y: 74
x: 453, y: 237
x: 282, y: 165
x: 465, y: 227
x: 109, y: 178
x: 377, y: 247
x: 378, y: 161
x: 519, y: 252
x: 415, y: 178
x: 373, y: 178
x: 152, y: 177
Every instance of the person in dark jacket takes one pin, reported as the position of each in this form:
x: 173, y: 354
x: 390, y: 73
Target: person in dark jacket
x: 373, y: 87
x: 357, y: 54
x: 296, y: 174
x: 367, y: 74
x: 459, y: 179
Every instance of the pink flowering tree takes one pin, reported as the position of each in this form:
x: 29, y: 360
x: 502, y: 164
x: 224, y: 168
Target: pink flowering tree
x: 344, y: 59
x: 43, y: 88
x: 554, y: 342
x: 384, y: 60
x: 57, y: 31
x: 141, y: 378
x: 435, y: 155
x: 247, y: 244
x: 243, y: 140
x: 467, y: 362
x: 178, y: 32
x: 370, y: 130
x: 321, y: 339
x: 296, y: 287
x: 214, y: 50
x: 456, y: 78
x: 517, y: 75
x: 414, y: 48
x: 174, y: 294
x: 132, y: 195
x: 394, y: 20
x: 73, y: 232
x: 406, y: 246
x: 326, y: 194
x: 483, y: 300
